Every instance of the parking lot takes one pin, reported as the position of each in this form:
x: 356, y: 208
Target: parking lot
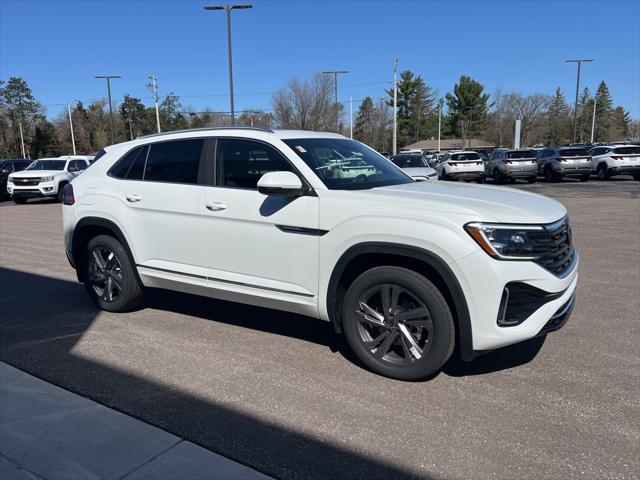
x: 281, y: 393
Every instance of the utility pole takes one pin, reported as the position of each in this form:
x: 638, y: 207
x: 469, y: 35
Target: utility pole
x: 395, y: 107
x: 109, y: 77
x: 335, y: 88
x: 24, y: 155
x: 351, y: 117
x: 228, y: 9
x: 440, y: 102
x: 153, y: 86
x: 593, y: 117
x: 73, y: 139
x: 575, y: 108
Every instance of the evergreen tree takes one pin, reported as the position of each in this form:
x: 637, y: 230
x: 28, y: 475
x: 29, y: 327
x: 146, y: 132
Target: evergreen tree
x: 583, y: 126
x: 45, y: 141
x: 19, y: 109
x: 364, y: 126
x: 134, y: 116
x: 558, y: 120
x: 468, y: 107
x: 620, y: 122
x: 415, y: 107
x: 604, y: 111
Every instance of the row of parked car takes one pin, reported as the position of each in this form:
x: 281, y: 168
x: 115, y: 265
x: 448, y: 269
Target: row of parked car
x: 502, y: 165
x: 44, y: 178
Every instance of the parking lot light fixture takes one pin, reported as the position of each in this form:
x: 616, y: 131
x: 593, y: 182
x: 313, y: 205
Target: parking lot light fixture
x: 228, y: 9
x: 575, y: 108
x: 108, y: 78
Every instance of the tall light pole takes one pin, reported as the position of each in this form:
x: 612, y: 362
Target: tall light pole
x: 351, y: 117
x: 228, y: 9
x: 395, y: 107
x: 335, y: 74
x: 575, y: 108
x: 24, y: 155
x: 73, y: 139
x: 593, y: 117
x: 153, y: 86
x: 109, y: 77
x: 440, y: 102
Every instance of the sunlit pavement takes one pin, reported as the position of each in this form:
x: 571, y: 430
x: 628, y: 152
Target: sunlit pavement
x: 280, y: 393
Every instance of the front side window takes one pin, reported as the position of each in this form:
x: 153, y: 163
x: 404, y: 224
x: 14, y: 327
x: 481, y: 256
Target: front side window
x: 176, y: 161
x: 343, y: 164
x: 241, y: 163
x: 47, y: 165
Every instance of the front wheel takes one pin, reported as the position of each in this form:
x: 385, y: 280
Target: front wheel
x: 497, y: 176
x: 549, y: 176
x: 109, y: 275
x: 398, y: 323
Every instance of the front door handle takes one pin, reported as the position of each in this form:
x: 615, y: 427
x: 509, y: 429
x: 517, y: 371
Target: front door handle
x: 133, y: 198
x: 215, y: 206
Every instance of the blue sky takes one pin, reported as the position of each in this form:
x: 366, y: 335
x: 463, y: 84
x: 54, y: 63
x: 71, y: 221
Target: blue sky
x: 58, y: 46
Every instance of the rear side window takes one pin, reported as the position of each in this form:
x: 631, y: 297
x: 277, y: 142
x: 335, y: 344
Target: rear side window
x: 522, y: 154
x: 123, y: 169
x: 174, y: 162
x: 627, y: 150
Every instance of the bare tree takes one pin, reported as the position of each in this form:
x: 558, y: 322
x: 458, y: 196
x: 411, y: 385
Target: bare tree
x: 305, y: 104
x: 531, y: 110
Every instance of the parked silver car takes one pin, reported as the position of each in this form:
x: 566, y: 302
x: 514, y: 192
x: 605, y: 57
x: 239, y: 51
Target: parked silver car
x: 506, y: 164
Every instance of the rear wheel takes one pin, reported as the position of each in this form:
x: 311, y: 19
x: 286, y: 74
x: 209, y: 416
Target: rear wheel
x: 497, y: 176
x: 398, y: 323
x: 109, y: 275
x: 603, y: 173
x: 585, y: 177
x: 480, y: 180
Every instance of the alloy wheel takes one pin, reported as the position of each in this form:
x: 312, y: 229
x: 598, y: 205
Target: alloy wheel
x: 105, y: 274
x: 394, y: 325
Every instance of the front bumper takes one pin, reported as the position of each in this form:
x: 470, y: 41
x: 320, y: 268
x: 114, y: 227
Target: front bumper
x: 519, y: 173
x: 37, y: 191
x: 483, y: 281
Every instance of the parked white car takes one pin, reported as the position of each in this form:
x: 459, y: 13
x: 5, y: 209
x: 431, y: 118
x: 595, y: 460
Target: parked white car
x: 45, y: 177
x: 608, y: 161
x: 416, y: 166
x: 405, y: 269
x: 461, y: 165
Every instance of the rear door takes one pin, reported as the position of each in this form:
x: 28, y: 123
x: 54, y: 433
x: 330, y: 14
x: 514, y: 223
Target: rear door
x: 257, y: 245
x: 161, y: 192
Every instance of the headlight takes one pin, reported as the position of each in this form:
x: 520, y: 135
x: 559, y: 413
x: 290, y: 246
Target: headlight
x: 10, y: 180
x: 46, y: 179
x: 507, y: 242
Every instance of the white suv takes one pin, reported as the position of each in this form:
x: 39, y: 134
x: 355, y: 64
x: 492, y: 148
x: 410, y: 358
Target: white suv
x: 462, y: 165
x: 608, y: 161
x: 45, y: 177
x: 407, y: 270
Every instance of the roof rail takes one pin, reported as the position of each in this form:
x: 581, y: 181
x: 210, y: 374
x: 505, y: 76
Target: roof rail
x: 206, y: 129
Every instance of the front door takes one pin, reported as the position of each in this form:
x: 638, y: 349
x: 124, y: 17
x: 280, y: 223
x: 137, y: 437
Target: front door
x: 264, y: 247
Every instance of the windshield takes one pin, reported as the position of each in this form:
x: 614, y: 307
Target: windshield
x: 407, y: 161
x: 47, y: 165
x: 627, y: 150
x: 522, y: 154
x: 465, y: 156
x: 573, y: 152
x: 344, y: 164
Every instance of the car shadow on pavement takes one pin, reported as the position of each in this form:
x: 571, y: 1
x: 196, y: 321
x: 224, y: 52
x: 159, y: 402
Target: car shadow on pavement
x: 42, y: 319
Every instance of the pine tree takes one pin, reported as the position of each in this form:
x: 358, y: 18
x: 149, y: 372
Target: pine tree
x: 583, y: 115
x: 604, y: 110
x: 468, y: 107
x: 415, y: 107
x: 620, y: 122
x: 558, y: 120
x: 364, y: 126
x: 45, y: 141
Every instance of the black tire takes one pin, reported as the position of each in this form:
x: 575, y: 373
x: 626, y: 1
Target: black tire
x: 532, y: 179
x: 480, y: 180
x: 603, y: 173
x: 585, y: 177
x: 19, y: 200
x: 636, y: 177
x: 124, y: 291
x: 497, y: 177
x: 433, y: 333
x: 61, y: 186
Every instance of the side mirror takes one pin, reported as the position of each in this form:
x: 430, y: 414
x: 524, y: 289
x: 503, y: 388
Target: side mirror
x: 5, y: 172
x: 286, y: 184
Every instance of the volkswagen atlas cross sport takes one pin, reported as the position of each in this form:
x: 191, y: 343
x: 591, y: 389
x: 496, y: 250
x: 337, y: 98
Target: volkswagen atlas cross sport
x: 407, y: 270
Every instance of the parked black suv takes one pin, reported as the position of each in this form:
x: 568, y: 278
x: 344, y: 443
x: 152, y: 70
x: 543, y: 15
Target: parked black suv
x: 7, y: 167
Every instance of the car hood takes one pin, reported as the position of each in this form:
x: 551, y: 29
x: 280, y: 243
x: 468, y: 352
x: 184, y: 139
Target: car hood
x: 420, y: 171
x: 35, y: 173
x: 480, y: 202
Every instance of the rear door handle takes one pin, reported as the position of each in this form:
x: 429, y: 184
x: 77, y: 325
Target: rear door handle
x: 133, y: 198
x: 215, y: 206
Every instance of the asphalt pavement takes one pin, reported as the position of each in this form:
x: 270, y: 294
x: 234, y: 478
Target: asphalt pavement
x: 281, y: 393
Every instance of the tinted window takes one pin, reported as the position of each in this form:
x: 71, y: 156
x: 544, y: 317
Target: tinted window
x: 521, y: 154
x: 407, y: 161
x: 241, y: 163
x: 627, y: 150
x: 47, y: 165
x: 573, y: 152
x: 121, y: 169
x: 77, y: 165
x: 101, y: 153
x: 343, y: 164
x: 175, y: 162
x: 465, y: 156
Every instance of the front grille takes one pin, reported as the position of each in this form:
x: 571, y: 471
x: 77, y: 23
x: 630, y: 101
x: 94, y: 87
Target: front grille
x: 25, y: 182
x: 556, y: 246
